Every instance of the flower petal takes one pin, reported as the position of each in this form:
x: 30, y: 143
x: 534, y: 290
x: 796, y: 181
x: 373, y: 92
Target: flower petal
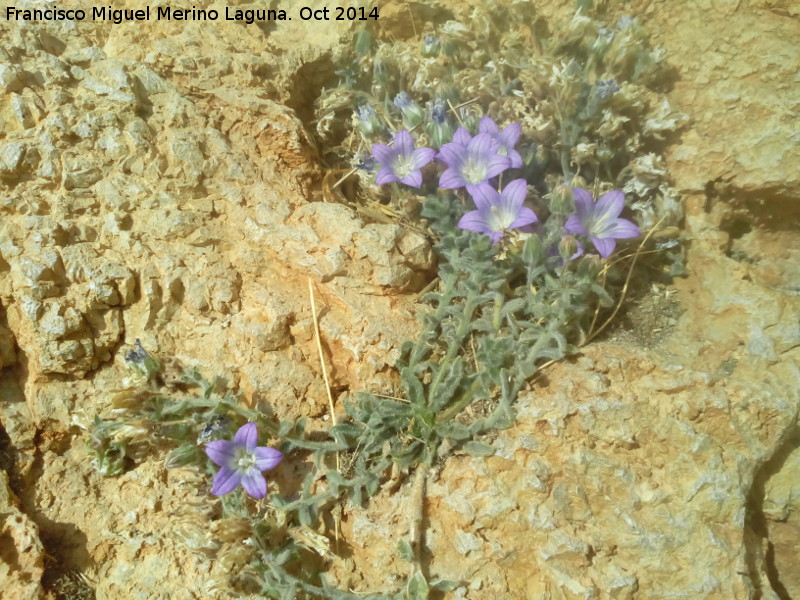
x: 225, y: 481
x: 514, y: 194
x: 482, y: 146
x: 604, y: 246
x: 421, y: 157
x: 267, y: 458
x: 247, y: 437
x: 621, y: 229
x: 451, y: 179
x: 516, y: 159
x: 574, y: 225
x: 385, y: 175
x: 484, y: 196
x: 221, y: 452
x: 462, y: 137
x: 487, y: 125
x: 478, y: 188
x: 403, y: 142
x: 525, y: 217
x: 383, y: 154
x: 413, y: 179
x: 474, y: 221
x: 510, y: 136
x: 497, y: 164
x: 610, y: 205
x: 452, y: 154
x: 254, y: 483
x: 584, y: 203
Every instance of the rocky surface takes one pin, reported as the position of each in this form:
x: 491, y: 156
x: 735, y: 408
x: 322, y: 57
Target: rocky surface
x: 21, y: 551
x: 633, y: 472
x: 159, y: 182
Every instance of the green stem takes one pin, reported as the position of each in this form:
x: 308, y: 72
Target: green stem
x: 498, y: 310
x: 461, y: 403
x: 469, y: 307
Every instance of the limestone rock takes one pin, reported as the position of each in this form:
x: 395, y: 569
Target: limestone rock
x: 21, y: 551
x: 737, y: 87
x: 8, y: 355
x: 159, y: 182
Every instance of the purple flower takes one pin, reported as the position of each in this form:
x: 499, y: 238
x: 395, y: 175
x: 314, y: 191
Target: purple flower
x: 242, y: 462
x: 498, y: 211
x: 508, y: 138
x: 462, y: 137
x: 402, y: 162
x: 470, y: 165
x: 601, y: 221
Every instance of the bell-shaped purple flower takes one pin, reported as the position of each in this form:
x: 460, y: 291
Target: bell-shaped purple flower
x: 507, y: 138
x: 242, y: 462
x: 498, y: 212
x: 600, y: 221
x: 401, y: 162
x: 470, y: 165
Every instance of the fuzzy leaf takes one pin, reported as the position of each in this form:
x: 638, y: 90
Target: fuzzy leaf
x: 444, y: 585
x: 417, y: 588
x: 405, y: 550
x: 474, y: 448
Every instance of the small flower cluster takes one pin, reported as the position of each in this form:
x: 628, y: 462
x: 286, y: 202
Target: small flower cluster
x: 474, y: 162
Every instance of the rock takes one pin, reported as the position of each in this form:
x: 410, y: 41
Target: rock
x: 165, y: 187
x: 11, y: 78
x: 737, y: 88
x: 8, y: 355
x: 21, y: 551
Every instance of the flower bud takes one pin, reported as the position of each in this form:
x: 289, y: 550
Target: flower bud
x: 365, y: 162
x: 412, y: 113
x: 533, y: 251
x: 431, y: 46
x: 605, y: 88
x: 439, y: 129
x: 604, y: 153
x: 589, y: 267
x: 140, y: 361
x: 368, y: 121
x: 562, y: 201
x: 569, y: 248
x: 578, y: 182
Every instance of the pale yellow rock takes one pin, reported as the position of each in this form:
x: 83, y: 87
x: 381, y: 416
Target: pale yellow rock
x: 159, y: 181
x: 21, y: 551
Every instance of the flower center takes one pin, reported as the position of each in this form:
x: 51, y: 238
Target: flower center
x: 473, y: 171
x: 403, y: 166
x: 497, y: 219
x: 244, y: 460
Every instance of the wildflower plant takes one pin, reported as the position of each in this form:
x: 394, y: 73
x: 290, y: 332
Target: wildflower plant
x: 242, y: 462
x: 498, y: 212
x: 601, y: 221
x: 401, y: 162
x: 471, y: 163
x: 496, y: 144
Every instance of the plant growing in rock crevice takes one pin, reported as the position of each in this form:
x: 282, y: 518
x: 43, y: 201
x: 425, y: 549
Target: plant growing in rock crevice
x: 518, y: 284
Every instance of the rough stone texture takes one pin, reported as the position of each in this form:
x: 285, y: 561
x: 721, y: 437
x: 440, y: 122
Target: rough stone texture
x: 21, y: 550
x: 737, y: 64
x: 632, y: 473
x: 158, y: 182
